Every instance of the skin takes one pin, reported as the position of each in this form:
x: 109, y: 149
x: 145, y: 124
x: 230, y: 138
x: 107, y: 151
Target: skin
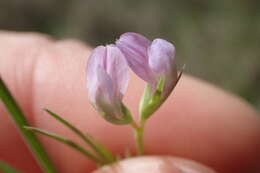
x: 198, y: 122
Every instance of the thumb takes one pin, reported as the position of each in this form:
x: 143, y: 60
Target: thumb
x: 155, y: 164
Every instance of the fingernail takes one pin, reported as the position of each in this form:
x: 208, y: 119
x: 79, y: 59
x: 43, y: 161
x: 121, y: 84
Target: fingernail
x: 153, y: 164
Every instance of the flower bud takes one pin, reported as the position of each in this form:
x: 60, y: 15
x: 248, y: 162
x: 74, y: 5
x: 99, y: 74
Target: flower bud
x: 154, y: 62
x: 107, y: 80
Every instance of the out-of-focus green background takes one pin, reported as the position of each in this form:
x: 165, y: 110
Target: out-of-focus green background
x: 218, y: 40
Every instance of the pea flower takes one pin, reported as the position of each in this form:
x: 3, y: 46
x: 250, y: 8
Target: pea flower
x: 154, y: 62
x: 107, y: 80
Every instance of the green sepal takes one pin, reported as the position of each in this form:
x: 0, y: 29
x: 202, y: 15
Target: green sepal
x: 151, y: 100
x: 125, y: 119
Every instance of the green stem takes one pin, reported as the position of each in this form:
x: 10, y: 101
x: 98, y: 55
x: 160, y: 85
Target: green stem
x: 19, y: 119
x: 138, y: 133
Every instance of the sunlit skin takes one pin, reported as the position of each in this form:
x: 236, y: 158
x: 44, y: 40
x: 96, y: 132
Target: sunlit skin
x: 198, y: 121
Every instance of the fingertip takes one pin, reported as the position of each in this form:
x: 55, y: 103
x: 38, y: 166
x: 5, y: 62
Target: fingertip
x: 155, y: 164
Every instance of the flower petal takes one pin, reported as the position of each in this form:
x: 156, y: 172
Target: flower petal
x: 105, y: 92
x: 134, y: 46
x: 91, y: 70
x: 161, y: 55
x: 117, y: 69
x: 107, y: 102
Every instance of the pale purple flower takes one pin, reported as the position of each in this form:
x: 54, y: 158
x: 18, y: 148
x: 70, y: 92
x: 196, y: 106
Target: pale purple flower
x: 150, y: 60
x: 107, y: 80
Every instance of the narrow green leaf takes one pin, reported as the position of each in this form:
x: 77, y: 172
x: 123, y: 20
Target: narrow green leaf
x: 100, y: 149
x: 65, y: 141
x: 7, y: 168
x: 19, y: 119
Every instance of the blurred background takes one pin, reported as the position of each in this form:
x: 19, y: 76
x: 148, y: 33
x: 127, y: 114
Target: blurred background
x: 218, y: 40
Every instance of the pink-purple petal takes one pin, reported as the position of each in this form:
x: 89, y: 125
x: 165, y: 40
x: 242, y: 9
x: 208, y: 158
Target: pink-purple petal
x: 92, y: 66
x: 106, y: 101
x: 117, y: 69
x: 134, y: 46
x: 135, y: 42
x: 105, y: 88
x: 161, y: 55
